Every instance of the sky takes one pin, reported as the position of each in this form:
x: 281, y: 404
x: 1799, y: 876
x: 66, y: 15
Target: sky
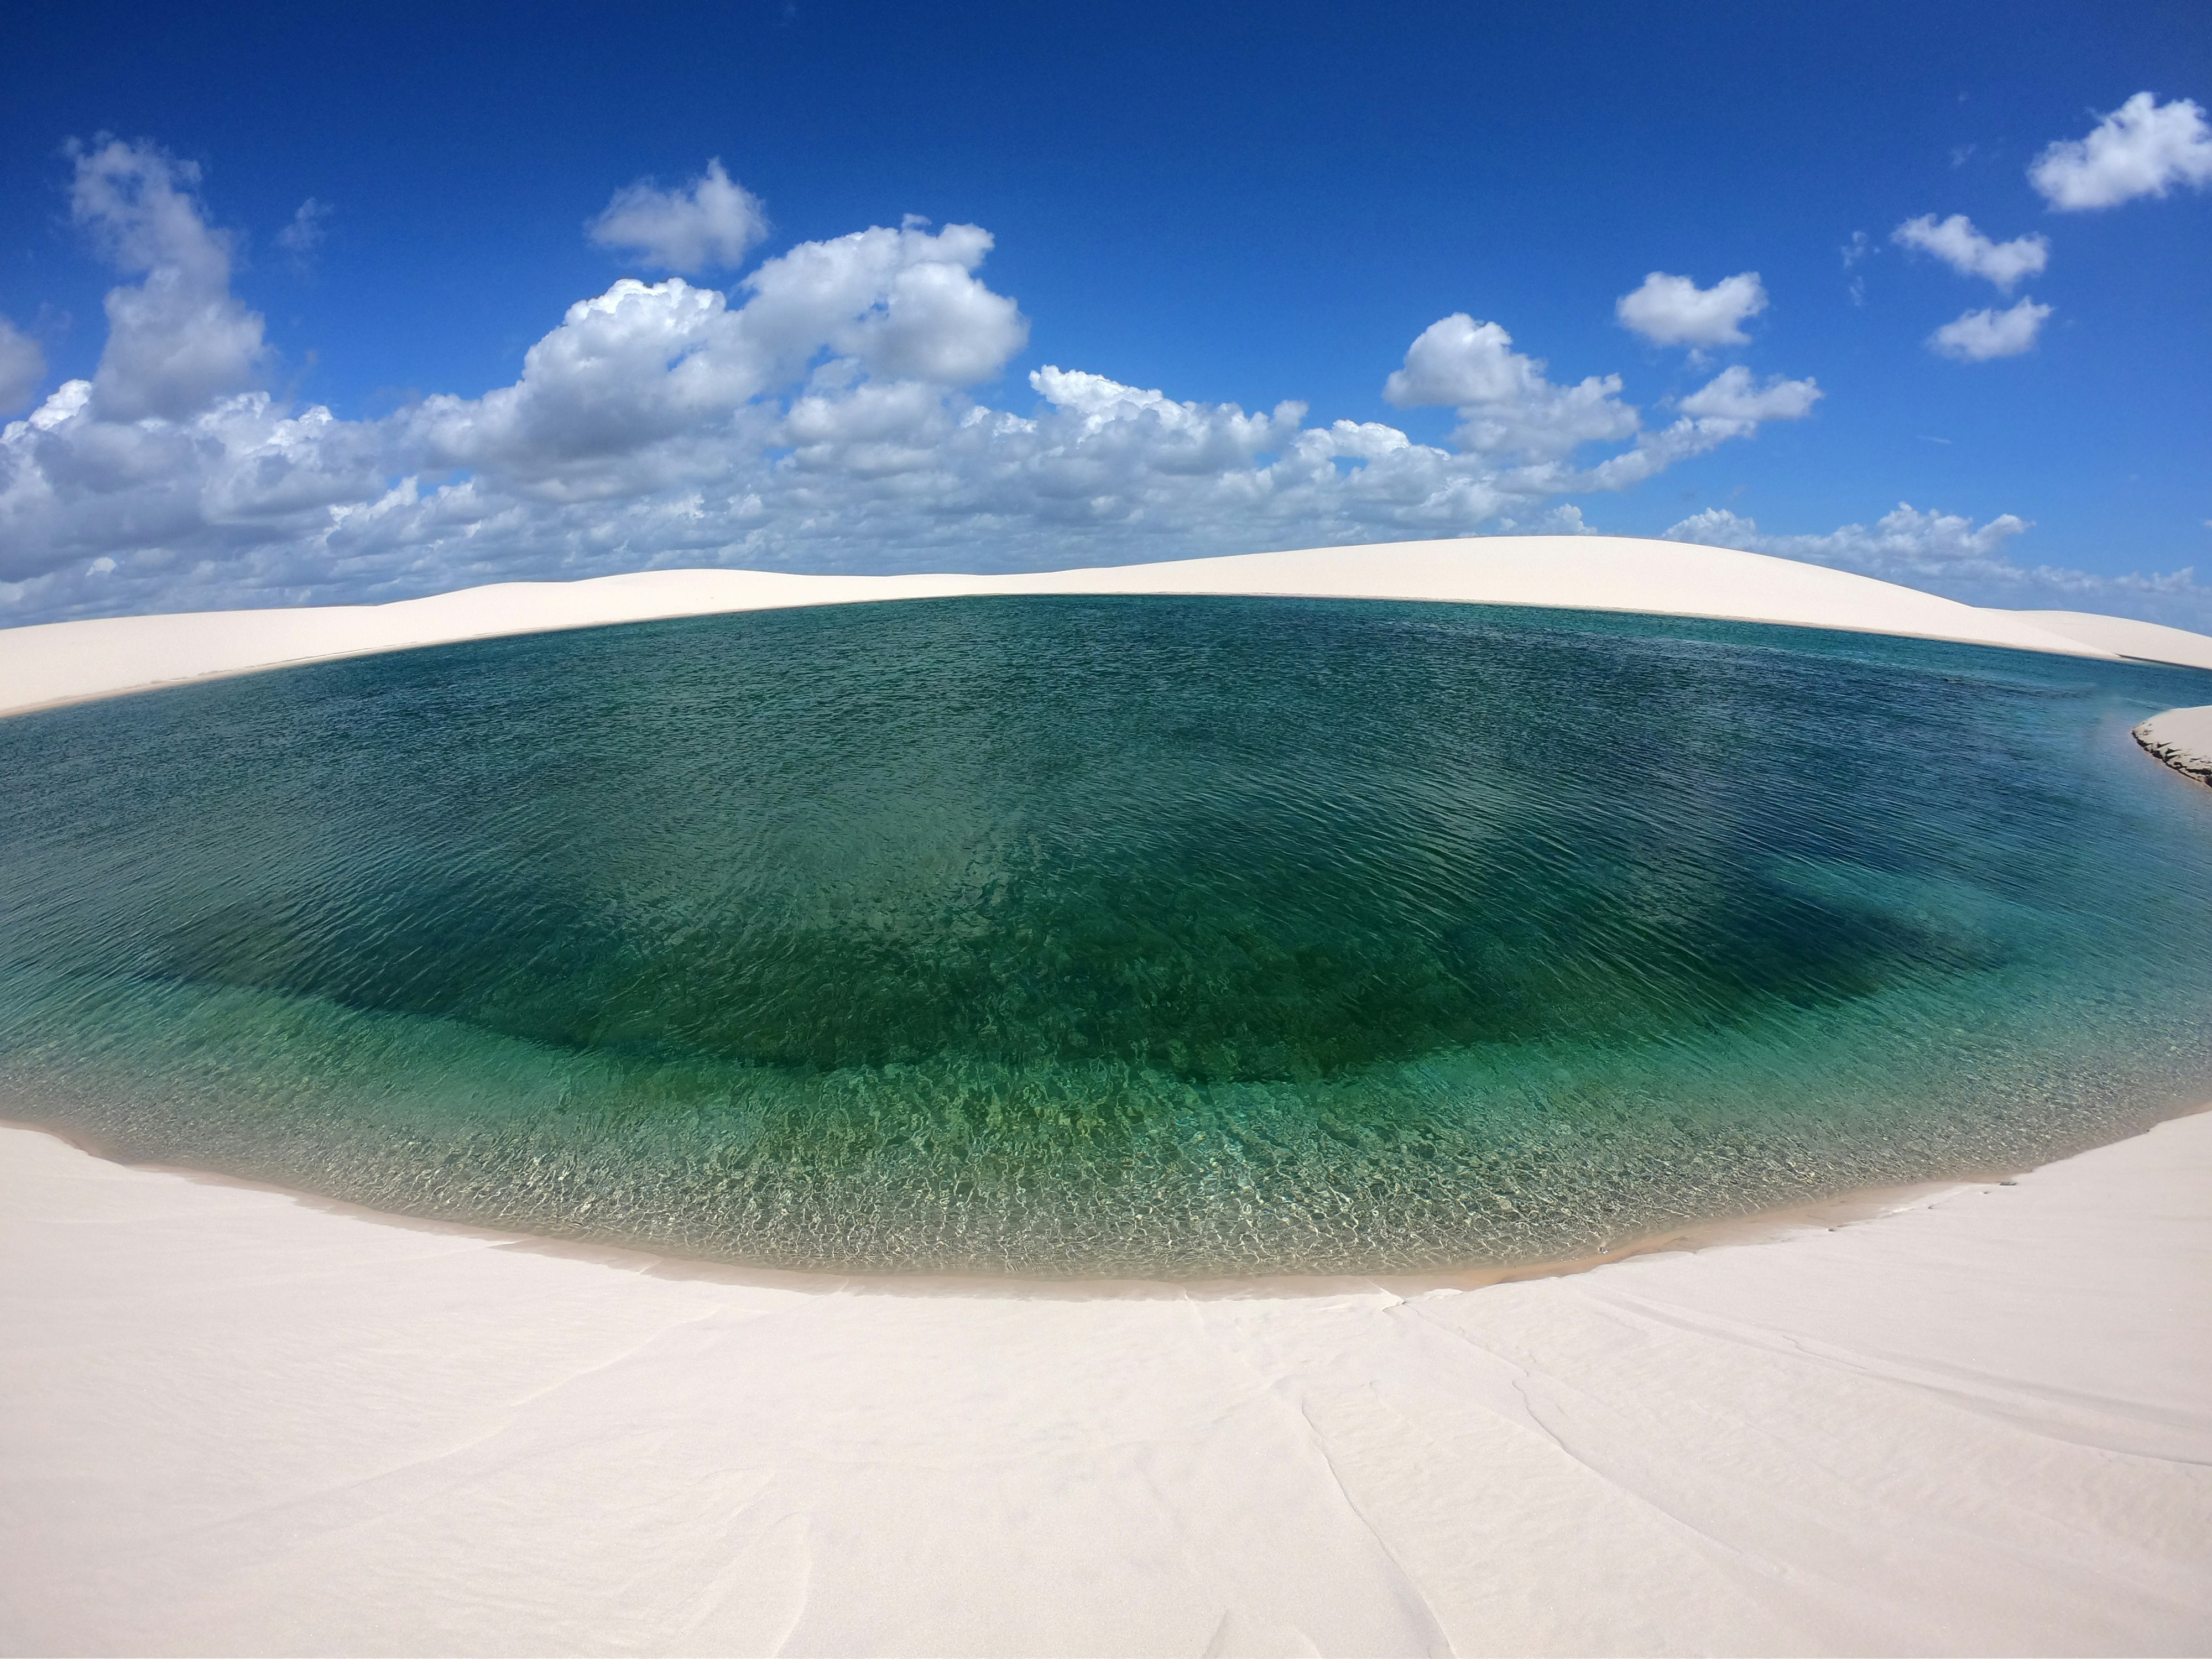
x: 317, y: 309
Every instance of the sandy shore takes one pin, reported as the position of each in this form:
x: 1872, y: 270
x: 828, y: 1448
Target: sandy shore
x: 237, y: 1421
x: 60, y: 662
x: 2182, y: 737
x: 242, y: 1422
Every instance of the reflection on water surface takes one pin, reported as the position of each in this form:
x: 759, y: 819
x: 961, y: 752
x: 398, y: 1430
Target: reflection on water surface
x: 1116, y: 935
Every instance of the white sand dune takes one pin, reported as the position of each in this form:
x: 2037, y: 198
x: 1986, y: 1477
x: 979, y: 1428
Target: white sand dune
x: 2126, y: 637
x: 58, y: 662
x: 237, y: 1423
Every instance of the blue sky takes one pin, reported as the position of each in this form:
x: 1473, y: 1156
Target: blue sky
x: 1226, y: 205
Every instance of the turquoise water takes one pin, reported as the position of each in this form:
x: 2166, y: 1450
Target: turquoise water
x: 1111, y: 936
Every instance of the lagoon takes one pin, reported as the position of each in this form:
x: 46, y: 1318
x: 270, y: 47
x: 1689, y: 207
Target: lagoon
x: 1111, y: 936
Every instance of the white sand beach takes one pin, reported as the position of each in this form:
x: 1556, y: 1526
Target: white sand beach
x: 239, y: 1423
x: 2182, y: 737
x: 1972, y: 1419
x: 60, y: 662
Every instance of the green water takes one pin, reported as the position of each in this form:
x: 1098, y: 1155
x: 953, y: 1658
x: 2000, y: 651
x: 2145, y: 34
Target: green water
x: 1111, y: 936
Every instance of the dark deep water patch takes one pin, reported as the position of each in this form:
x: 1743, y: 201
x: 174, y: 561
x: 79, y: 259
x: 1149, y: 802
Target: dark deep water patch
x: 1122, y: 935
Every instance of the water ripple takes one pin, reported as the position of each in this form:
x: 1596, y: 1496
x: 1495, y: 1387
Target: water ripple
x: 1091, y: 936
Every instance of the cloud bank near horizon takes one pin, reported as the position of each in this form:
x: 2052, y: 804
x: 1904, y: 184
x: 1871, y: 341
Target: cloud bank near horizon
x: 820, y: 414
x: 1947, y: 554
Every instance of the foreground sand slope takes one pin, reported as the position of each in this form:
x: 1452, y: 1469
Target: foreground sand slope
x: 56, y: 662
x: 238, y: 1423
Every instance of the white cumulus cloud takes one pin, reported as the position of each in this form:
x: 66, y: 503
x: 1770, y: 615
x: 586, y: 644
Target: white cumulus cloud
x: 902, y: 302
x: 1735, y: 395
x: 1978, y: 336
x: 1904, y: 542
x: 640, y: 367
x: 23, y: 368
x: 712, y: 222
x: 178, y: 337
x: 1946, y: 553
x: 1506, y: 405
x: 2143, y: 148
x: 1675, y: 311
x: 1956, y: 242
x: 1732, y: 405
x: 825, y: 413
x: 1460, y: 360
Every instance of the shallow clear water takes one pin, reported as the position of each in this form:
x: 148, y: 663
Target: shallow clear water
x: 1111, y: 936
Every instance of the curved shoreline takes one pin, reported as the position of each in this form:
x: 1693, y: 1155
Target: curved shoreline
x: 1968, y: 1416
x: 2182, y: 738
x: 52, y: 663
x: 1850, y: 1207
x: 247, y: 1424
